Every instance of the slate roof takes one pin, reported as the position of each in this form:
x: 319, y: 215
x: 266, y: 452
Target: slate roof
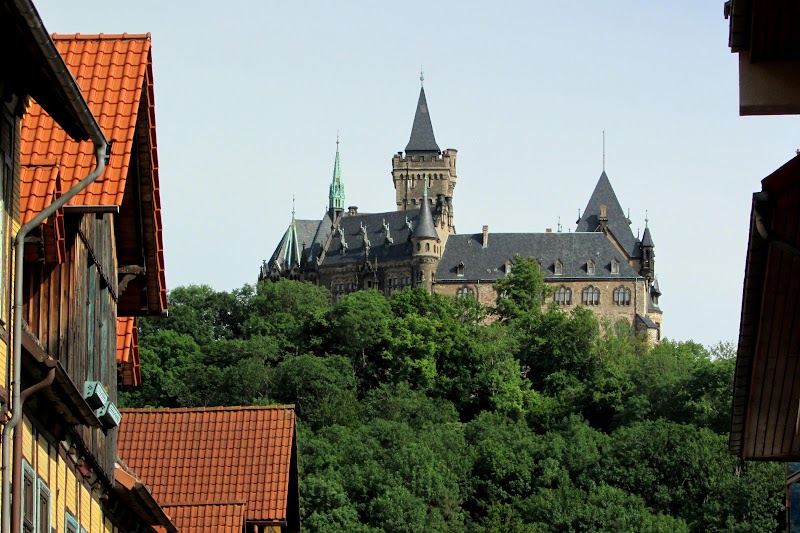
x: 304, y: 232
x: 647, y: 239
x: 647, y: 321
x: 128, y: 351
x: 425, y: 228
x: 604, y: 194
x: 218, y: 455
x: 115, y: 74
x: 380, y: 248
x: 572, y: 249
x: 422, y: 139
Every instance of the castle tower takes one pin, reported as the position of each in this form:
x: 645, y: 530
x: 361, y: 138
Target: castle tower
x: 426, y: 245
x: 336, y: 191
x: 423, y: 160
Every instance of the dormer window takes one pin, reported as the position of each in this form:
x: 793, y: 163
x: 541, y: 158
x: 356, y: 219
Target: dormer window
x: 614, y: 266
x: 460, y: 269
x: 590, y: 267
x: 507, y: 267
x: 558, y: 268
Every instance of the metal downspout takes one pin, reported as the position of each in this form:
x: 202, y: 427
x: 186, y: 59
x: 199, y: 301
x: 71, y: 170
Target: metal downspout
x: 102, y: 152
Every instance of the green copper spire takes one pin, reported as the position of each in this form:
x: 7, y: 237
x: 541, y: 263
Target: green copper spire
x: 336, y: 193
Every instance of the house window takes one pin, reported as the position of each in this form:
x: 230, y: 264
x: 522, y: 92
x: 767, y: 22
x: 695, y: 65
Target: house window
x: 44, y: 507
x: 563, y: 296
x: 72, y: 524
x: 622, y: 296
x: 558, y: 268
x: 28, y: 499
x: 590, y: 296
x: 590, y: 267
x: 614, y: 266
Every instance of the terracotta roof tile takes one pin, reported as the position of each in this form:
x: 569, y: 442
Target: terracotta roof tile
x: 115, y: 75
x: 204, y: 517
x: 219, y: 454
x: 128, y: 351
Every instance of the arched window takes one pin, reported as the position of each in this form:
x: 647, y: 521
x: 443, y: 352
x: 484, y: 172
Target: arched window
x: 590, y: 267
x: 563, y: 296
x: 463, y: 292
x: 427, y: 247
x: 460, y: 269
x: 558, y: 268
x: 622, y: 296
x: 419, y: 247
x: 590, y: 296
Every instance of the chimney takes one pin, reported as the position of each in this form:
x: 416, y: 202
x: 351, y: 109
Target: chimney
x: 548, y: 230
x: 485, y: 236
x: 352, y: 210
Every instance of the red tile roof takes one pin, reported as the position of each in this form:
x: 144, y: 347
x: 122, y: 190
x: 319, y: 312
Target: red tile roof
x: 128, y: 351
x: 204, y: 517
x: 214, y: 455
x: 115, y: 74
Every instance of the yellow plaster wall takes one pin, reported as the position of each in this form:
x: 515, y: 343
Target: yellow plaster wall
x: 85, y: 512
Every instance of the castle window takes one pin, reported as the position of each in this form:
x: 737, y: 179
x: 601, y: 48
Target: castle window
x: 590, y: 267
x: 419, y: 247
x: 590, y: 296
x: 614, y: 266
x: 563, y: 296
x: 622, y: 296
x: 558, y: 268
x: 460, y: 269
x: 507, y: 267
x: 427, y: 247
x: 464, y: 292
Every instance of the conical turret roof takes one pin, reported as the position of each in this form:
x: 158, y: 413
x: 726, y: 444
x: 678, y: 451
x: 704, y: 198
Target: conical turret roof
x: 647, y: 239
x: 618, y: 223
x: 422, y: 139
x: 425, y: 228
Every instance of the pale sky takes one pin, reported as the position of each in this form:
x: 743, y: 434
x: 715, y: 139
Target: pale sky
x: 250, y: 95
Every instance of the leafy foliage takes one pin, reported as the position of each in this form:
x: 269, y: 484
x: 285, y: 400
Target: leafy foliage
x: 417, y: 415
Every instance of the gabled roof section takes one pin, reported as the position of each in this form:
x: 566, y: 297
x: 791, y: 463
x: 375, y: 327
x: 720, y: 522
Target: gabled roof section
x: 422, y: 139
x: 115, y: 75
x: 604, y: 194
x: 217, y: 455
x: 128, y: 352
x: 571, y: 249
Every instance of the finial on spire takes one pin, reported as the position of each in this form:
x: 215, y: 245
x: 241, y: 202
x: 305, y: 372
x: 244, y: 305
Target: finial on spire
x: 646, y: 221
x: 425, y: 189
x: 559, y: 224
x: 293, y: 207
x: 421, y: 77
x: 604, y: 150
x: 337, y: 139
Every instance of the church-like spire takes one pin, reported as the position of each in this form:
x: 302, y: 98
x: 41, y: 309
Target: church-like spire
x: 604, y: 212
x: 425, y: 228
x: 336, y: 192
x: 422, y: 140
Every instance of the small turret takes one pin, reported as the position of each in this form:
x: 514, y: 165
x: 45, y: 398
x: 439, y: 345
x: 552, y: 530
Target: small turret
x: 648, y: 254
x: 425, y: 245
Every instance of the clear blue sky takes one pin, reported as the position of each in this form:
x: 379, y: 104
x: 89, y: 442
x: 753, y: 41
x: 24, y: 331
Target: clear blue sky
x: 249, y: 96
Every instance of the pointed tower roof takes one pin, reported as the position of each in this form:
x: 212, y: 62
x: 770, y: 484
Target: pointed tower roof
x: 617, y: 220
x: 647, y: 239
x: 425, y: 228
x: 422, y: 139
x: 336, y: 190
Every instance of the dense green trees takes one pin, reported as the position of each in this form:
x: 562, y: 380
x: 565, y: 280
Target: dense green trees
x: 415, y: 415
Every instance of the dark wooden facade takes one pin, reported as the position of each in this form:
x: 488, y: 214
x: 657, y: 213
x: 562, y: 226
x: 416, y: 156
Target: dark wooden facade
x: 71, y: 308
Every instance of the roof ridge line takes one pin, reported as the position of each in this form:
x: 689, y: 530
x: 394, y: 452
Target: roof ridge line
x: 99, y: 36
x: 206, y: 409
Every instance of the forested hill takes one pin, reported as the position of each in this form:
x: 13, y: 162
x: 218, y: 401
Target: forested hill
x: 414, y: 416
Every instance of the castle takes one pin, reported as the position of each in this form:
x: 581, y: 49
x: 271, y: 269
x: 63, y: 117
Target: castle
x: 602, y: 265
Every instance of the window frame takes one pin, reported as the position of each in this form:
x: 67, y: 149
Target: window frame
x: 28, y: 474
x: 71, y: 522
x: 44, y: 523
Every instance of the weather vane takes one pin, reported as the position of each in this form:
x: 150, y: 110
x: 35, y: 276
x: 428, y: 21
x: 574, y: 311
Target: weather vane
x: 604, y: 150
x: 421, y: 77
